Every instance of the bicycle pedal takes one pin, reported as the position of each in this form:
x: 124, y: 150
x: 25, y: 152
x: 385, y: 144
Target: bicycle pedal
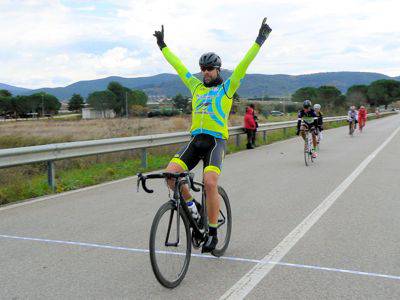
x: 196, y: 242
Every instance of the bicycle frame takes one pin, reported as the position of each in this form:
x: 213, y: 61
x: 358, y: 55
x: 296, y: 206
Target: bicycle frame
x: 352, y: 126
x: 307, y: 138
x: 180, y: 203
x: 308, y: 141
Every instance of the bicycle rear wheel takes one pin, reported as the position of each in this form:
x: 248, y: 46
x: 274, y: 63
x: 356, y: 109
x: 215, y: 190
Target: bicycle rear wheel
x: 224, y: 224
x: 306, y: 152
x: 351, y: 129
x: 170, y: 261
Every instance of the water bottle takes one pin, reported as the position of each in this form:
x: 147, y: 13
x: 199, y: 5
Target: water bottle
x: 193, y: 209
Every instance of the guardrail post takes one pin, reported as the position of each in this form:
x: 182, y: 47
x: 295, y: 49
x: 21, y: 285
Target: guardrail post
x: 284, y: 132
x: 238, y: 140
x: 144, y: 158
x: 265, y: 136
x: 51, y: 175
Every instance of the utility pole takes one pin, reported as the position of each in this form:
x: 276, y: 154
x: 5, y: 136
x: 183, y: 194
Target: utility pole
x: 126, y: 105
x: 42, y: 105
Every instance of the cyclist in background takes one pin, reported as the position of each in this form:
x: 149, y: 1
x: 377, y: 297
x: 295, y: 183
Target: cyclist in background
x: 308, y: 120
x: 211, y: 104
x: 352, y: 117
x: 362, y: 117
x: 320, y: 116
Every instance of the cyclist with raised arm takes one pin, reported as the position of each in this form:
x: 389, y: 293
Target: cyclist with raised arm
x: 320, y: 116
x: 308, y: 120
x: 211, y: 104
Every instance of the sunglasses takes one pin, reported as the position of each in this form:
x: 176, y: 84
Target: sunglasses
x: 203, y: 69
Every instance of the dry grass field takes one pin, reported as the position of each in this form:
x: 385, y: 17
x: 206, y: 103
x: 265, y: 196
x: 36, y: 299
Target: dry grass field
x: 28, y: 133
x: 75, y: 130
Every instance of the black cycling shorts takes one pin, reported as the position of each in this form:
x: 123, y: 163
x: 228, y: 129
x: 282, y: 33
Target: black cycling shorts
x: 202, y: 147
x: 309, y: 127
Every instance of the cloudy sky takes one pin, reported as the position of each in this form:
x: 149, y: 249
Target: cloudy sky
x: 57, y: 42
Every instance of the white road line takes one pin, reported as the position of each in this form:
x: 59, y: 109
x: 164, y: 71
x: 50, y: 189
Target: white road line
x: 102, y: 246
x: 228, y: 258
x: 246, y: 284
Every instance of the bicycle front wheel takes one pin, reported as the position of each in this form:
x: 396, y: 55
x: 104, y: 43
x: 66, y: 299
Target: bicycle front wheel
x: 351, y: 129
x: 306, y: 152
x: 170, y: 245
x: 224, y: 224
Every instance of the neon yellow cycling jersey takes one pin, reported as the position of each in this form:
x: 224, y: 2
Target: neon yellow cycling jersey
x: 211, y: 105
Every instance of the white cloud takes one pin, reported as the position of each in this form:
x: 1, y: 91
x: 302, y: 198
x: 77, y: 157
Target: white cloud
x: 42, y: 43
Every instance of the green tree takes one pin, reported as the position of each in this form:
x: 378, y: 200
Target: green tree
x: 5, y: 102
x: 124, y: 96
x: 329, y: 96
x: 236, y: 97
x: 41, y: 102
x: 138, y: 97
x: 21, y: 105
x: 383, y: 92
x: 102, y: 100
x: 120, y: 93
x: 76, y: 103
x: 304, y: 93
x: 5, y: 93
x: 180, y: 102
x: 5, y: 105
x: 357, y: 95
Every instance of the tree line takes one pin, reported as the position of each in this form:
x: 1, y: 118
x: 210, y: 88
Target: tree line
x: 39, y: 104
x: 380, y: 92
x: 119, y: 98
x: 116, y: 97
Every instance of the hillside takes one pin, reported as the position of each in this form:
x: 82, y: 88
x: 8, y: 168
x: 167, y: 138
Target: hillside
x: 253, y: 85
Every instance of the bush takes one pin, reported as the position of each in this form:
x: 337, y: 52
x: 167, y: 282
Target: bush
x: 139, y: 111
x: 165, y: 112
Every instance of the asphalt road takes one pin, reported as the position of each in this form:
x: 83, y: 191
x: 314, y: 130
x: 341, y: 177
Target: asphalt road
x: 345, y: 210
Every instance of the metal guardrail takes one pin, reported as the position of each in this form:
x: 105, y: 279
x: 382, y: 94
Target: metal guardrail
x: 52, y: 152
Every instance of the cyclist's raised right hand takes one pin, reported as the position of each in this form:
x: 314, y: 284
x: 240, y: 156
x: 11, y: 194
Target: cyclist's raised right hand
x: 264, y: 32
x: 160, y: 38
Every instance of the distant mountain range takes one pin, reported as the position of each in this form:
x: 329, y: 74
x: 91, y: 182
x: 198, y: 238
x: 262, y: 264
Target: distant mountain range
x: 253, y: 85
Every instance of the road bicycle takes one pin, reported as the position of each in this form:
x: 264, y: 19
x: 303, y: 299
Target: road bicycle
x: 308, y: 158
x: 361, y: 125
x: 319, y: 139
x: 351, y: 127
x: 174, y: 231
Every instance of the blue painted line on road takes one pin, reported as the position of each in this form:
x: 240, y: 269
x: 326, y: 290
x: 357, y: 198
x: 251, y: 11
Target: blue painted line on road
x: 228, y: 258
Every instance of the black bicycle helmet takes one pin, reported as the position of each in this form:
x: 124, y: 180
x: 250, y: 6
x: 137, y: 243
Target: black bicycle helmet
x: 210, y: 59
x: 306, y: 104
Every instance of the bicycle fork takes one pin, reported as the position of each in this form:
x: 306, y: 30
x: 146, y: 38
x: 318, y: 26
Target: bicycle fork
x: 307, y: 143
x: 171, y: 217
x: 175, y: 202
x: 179, y: 204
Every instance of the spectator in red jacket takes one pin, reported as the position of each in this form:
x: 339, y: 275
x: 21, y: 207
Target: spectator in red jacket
x: 250, y: 127
x: 256, y: 121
